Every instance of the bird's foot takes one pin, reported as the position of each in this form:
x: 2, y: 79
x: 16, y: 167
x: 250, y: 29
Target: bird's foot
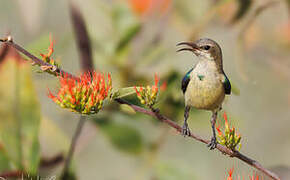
x: 213, y: 143
x: 185, y: 130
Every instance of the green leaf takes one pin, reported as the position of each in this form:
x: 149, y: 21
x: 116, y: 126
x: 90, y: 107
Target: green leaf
x: 131, y: 32
x: 123, y: 92
x: 123, y: 137
x: 288, y: 3
x: 127, y: 109
x: 63, y: 141
x: 244, y: 6
x: 4, y: 160
x: 20, y: 109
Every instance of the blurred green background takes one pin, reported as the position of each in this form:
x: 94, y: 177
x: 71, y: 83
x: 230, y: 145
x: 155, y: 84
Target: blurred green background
x: 133, y: 39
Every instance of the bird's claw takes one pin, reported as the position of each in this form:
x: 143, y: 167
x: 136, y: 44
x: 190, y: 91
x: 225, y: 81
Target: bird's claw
x: 185, y: 130
x: 212, y: 145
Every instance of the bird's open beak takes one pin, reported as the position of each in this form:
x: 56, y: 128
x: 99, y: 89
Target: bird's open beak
x: 192, y: 47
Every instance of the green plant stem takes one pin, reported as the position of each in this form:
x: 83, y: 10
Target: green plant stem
x: 18, y: 117
x: 65, y: 172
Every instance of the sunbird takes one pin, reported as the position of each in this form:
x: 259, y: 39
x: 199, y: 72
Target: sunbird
x: 206, y: 84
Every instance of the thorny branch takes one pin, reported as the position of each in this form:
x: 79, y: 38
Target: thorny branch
x: 155, y: 113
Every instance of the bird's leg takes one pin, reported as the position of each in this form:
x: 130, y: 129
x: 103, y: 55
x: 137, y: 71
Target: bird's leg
x: 212, y: 145
x: 185, y: 128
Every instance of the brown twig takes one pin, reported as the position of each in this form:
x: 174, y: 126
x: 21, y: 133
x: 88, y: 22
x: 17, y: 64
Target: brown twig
x: 9, y: 41
x: 65, y: 172
x: 155, y: 113
x: 12, y: 174
x: 46, y: 162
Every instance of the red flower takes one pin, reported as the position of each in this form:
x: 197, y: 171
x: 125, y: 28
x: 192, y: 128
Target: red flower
x: 137, y: 92
x: 230, y: 176
x: 254, y: 177
x: 48, y: 59
x: 155, y: 87
x: 50, y: 49
x: 230, y: 172
x: 163, y: 86
x: 219, y: 130
x: 148, y: 95
x: 84, y: 95
x: 140, y: 6
x: 229, y: 138
x: 143, y: 7
x: 226, y: 120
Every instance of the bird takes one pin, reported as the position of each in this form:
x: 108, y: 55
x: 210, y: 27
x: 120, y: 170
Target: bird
x: 205, y: 85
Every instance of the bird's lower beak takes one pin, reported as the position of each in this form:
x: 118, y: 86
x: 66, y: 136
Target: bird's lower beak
x: 192, y: 47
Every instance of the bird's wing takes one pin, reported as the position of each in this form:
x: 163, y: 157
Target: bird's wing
x: 185, y: 81
x: 227, y: 84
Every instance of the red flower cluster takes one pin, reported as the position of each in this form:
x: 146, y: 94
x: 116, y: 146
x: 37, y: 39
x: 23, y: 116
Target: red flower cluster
x: 148, y: 95
x: 84, y: 95
x: 230, y: 176
x: 230, y: 139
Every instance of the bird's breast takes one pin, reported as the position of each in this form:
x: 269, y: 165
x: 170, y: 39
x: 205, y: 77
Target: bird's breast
x: 205, y: 89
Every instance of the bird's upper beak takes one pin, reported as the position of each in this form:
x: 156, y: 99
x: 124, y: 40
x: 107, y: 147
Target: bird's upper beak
x: 192, y: 47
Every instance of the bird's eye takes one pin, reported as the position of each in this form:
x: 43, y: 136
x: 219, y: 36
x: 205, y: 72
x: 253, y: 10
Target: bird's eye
x: 206, y: 47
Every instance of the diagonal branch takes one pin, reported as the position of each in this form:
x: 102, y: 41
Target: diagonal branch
x: 155, y: 113
x: 35, y: 60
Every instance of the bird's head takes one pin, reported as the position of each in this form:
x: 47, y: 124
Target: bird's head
x: 204, y: 48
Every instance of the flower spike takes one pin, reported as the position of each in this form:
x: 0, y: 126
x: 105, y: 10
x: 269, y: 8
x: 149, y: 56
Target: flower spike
x: 148, y: 95
x: 84, y: 95
x: 229, y: 138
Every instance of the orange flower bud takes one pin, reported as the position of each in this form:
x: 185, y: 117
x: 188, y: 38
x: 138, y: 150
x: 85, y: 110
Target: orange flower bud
x: 50, y: 49
x: 163, y: 87
x: 137, y: 92
x: 230, y: 172
x: 47, y: 58
x: 226, y: 120
x: 219, y: 130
